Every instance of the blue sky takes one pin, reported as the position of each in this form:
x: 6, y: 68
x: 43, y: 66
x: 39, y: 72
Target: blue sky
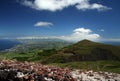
x: 65, y: 19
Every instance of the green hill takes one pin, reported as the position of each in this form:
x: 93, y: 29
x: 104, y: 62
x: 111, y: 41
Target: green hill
x: 85, y: 50
x: 82, y: 55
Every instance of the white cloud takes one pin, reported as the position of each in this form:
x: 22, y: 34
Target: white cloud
x: 82, y: 30
x: 43, y: 24
x: 102, y: 30
x: 87, y: 6
x: 77, y: 35
x: 54, y: 5
x: 80, y: 34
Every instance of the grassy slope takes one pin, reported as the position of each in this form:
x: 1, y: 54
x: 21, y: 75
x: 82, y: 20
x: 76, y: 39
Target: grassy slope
x: 59, y: 57
x: 86, y: 51
x: 34, y: 55
x: 65, y: 57
x: 85, y: 47
x: 109, y: 66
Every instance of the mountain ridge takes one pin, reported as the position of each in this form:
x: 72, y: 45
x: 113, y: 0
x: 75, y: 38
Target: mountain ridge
x: 86, y: 50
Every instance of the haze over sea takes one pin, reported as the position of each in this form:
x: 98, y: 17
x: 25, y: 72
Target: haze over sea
x: 7, y: 44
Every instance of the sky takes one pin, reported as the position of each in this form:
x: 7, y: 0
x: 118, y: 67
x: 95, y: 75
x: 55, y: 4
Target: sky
x: 72, y: 20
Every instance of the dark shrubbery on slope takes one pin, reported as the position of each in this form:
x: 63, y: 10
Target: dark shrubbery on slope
x: 86, y: 51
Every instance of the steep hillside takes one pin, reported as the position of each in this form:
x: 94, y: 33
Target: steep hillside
x: 86, y: 50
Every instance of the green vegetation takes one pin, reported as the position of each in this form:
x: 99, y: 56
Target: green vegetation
x: 29, y: 56
x: 82, y: 55
x: 109, y: 66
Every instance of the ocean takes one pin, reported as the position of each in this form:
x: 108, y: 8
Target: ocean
x: 7, y: 44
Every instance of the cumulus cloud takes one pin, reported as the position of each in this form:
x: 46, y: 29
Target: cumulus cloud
x: 43, y: 24
x: 54, y: 5
x: 80, y: 34
x: 77, y: 35
x: 82, y: 30
x: 85, y: 5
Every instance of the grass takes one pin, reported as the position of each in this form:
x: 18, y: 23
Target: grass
x: 28, y: 56
x: 17, y: 56
x: 68, y: 56
x: 109, y: 66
